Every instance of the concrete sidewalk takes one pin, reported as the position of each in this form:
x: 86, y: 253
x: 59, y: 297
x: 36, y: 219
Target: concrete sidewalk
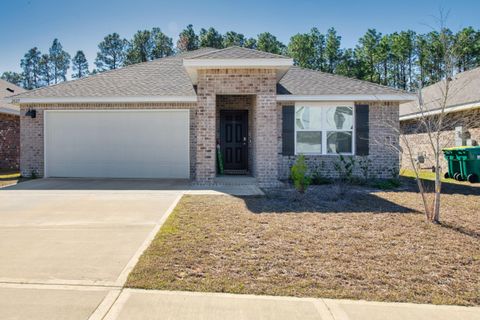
x: 150, y: 304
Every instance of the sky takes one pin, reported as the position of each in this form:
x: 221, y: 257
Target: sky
x: 82, y: 24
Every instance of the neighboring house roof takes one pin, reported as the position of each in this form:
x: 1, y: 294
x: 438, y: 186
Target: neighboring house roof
x: 7, y: 89
x: 172, y: 79
x: 464, y: 93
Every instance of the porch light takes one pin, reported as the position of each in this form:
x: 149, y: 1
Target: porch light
x: 32, y: 113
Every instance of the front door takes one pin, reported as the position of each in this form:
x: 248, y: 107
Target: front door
x: 234, y: 140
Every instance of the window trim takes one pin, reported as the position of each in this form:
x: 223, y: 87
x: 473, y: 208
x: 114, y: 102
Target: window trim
x: 324, y: 131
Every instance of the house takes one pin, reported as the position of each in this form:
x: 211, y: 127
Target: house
x: 9, y: 128
x: 165, y: 119
x: 462, y: 120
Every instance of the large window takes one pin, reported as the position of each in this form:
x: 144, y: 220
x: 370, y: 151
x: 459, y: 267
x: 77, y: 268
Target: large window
x: 324, y: 129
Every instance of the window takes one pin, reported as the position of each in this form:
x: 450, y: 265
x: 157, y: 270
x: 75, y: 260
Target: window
x: 324, y: 129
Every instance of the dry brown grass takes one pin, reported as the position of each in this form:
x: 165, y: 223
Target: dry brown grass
x: 372, y: 246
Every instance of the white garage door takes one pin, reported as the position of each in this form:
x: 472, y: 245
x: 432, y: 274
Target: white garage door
x: 117, y: 143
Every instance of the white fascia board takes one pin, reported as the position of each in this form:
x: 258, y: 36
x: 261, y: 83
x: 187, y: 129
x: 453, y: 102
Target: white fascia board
x: 347, y: 97
x: 10, y: 111
x: 104, y: 99
x: 238, y: 63
x: 462, y: 107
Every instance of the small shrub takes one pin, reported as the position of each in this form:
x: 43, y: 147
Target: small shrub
x: 299, y: 175
x: 364, y: 164
x: 33, y: 174
x: 317, y: 177
x: 344, y: 167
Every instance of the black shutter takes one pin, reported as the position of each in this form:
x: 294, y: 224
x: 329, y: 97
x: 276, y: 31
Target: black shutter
x: 288, y: 130
x: 361, y: 129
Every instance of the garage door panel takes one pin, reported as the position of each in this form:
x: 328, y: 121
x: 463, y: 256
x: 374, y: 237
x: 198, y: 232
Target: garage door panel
x: 117, y: 143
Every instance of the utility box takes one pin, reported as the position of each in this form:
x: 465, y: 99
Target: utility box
x: 459, y: 136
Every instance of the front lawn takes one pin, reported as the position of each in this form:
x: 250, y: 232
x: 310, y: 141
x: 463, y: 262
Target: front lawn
x: 363, y: 245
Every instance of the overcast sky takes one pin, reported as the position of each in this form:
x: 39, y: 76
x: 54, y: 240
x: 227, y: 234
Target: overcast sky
x: 82, y: 24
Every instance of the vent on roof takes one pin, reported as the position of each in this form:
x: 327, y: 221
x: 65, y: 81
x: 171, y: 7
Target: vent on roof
x: 11, y: 90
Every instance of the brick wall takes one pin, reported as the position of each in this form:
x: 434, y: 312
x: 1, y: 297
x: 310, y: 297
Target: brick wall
x: 258, y: 82
x: 9, y: 141
x: 31, y: 130
x: 384, y: 161
x: 418, y: 140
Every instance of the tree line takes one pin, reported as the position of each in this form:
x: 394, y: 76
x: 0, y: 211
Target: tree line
x: 403, y: 60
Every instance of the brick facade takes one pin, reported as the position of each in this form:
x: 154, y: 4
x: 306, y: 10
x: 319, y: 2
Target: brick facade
x: 248, y: 89
x: 258, y: 82
x: 9, y: 141
x: 384, y: 160
x: 419, y: 142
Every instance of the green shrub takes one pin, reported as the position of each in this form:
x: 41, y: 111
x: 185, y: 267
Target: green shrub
x: 299, y: 174
x: 386, y: 184
x: 317, y: 177
x: 344, y: 167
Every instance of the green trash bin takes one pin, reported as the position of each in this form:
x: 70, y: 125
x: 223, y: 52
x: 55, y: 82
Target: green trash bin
x: 453, y: 163
x: 469, y: 159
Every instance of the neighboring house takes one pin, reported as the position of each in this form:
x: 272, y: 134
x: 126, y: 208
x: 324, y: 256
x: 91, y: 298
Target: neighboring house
x: 462, y: 119
x: 9, y: 128
x: 164, y: 118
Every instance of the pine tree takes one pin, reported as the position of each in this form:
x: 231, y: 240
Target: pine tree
x: 79, y: 65
x: 268, y: 42
x: 318, y: 39
x: 231, y: 38
x: 333, y: 54
x: 210, y: 38
x: 111, y: 54
x: 187, y: 40
x: 140, y: 48
x: 162, y: 44
x: 45, y: 70
x: 302, y: 50
x: 12, y: 77
x: 31, y: 69
x: 60, y: 60
x: 250, y: 43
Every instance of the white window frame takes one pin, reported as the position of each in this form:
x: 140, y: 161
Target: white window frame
x: 323, y: 128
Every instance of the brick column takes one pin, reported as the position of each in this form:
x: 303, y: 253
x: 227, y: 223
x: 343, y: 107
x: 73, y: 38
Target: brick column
x: 205, y: 131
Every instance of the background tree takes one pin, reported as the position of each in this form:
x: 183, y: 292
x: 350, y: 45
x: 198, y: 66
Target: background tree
x: 140, y: 48
x: 368, y: 53
x: 79, y: 65
x: 302, y: 50
x: 111, y: 54
x: 467, y: 49
x: 187, y: 40
x: 31, y: 69
x: 268, y: 42
x: 250, y: 43
x: 162, y: 45
x: 318, y: 42
x: 45, y: 70
x: 231, y: 38
x: 60, y: 61
x: 210, y: 38
x: 12, y: 77
x: 333, y: 53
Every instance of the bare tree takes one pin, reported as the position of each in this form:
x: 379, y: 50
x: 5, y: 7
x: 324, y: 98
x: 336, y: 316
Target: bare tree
x: 435, y: 123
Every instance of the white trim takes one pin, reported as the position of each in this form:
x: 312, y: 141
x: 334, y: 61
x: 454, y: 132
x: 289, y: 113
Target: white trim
x: 347, y: 97
x: 324, y: 131
x: 119, y: 99
x: 45, y: 174
x: 238, y: 63
x: 10, y: 111
x: 462, y: 107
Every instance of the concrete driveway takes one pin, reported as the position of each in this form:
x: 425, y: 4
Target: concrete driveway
x: 67, y: 245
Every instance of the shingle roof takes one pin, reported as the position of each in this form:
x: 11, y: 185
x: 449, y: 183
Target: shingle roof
x: 464, y: 89
x: 299, y: 81
x: 168, y: 77
x: 6, y: 107
x: 237, y: 53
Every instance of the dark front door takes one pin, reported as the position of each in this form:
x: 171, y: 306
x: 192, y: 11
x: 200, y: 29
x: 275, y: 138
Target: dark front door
x: 234, y: 140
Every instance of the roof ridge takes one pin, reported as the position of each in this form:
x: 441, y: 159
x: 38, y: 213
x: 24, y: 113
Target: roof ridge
x: 237, y: 47
x: 353, y: 79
